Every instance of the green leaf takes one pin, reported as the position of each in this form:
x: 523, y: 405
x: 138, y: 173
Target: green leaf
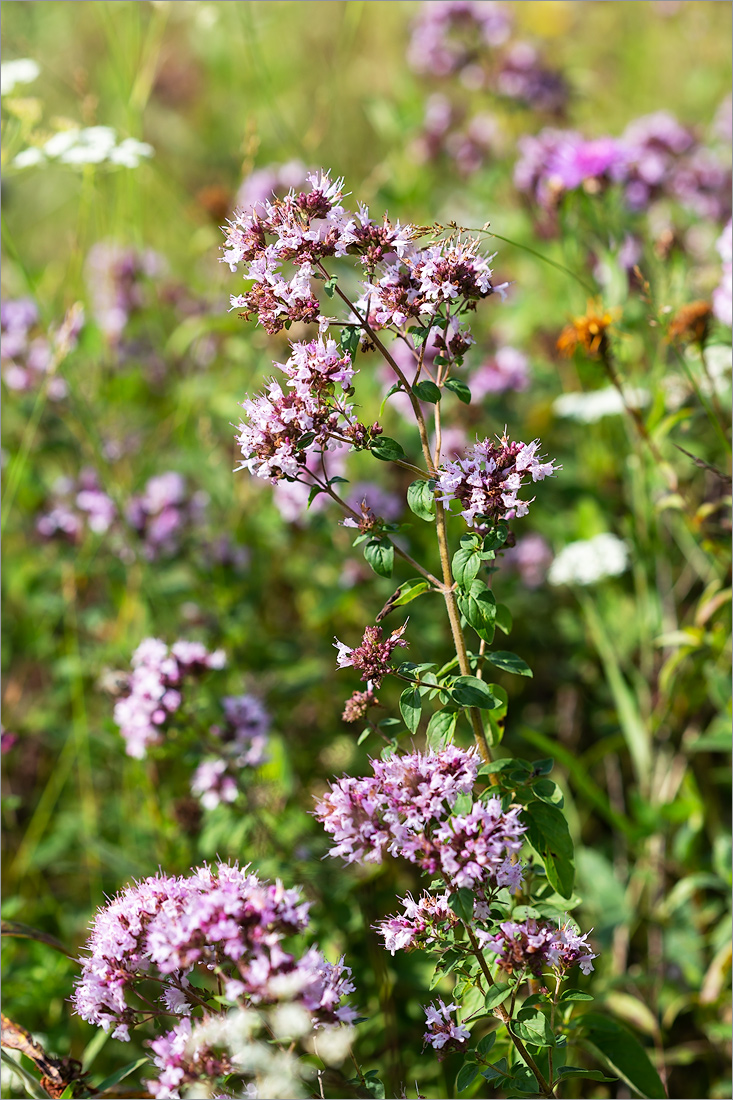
x: 495, y: 538
x: 465, y: 565
x: 441, y: 727
x: 624, y: 1054
x: 574, y: 995
x: 589, y: 1074
x: 380, y: 555
x: 32, y: 1084
x: 409, y: 591
x: 463, y: 803
x: 533, y: 1027
x: 485, y: 1044
x: 467, y: 1074
x: 504, y: 618
x: 461, y: 902
x: 547, y: 832
x: 350, y: 339
x: 68, y: 1093
x: 421, y: 499
x: 460, y: 389
x: 498, y: 1070
x: 330, y: 286
x: 498, y: 993
x: 120, y: 1074
x: 509, y: 662
x: 386, y: 449
x: 469, y: 691
x: 478, y: 607
x: 410, y: 708
x: 427, y: 391
x: 372, y: 1085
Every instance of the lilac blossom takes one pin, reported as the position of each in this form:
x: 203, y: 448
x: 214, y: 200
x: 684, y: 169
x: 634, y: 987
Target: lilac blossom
x: 155, y: 689
x: 116, y: 278
x: 77, y: 505
x: 263, y: 184
x: 163, y: 511
x: 388, y: 506
x: 531, y: 556
x: 447, y: 34
x: 507, y: 369
x: 534, y: 946
x: 443, y: 1034
x: 28, y: 355
x: 723, y: 294
x: 404, y: 810
x: 223, y: 918
x: 245, y: 729
x: 488, y: 479
x: 212, y: 784
x: 423, y: 924
x: 522, y: 76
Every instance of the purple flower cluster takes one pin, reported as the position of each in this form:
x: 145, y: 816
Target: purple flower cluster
x: 28, y: 356
x: 116, y: 277
x: 488, y: 479
x: 423, y: 923
x: 163, y: 511
x: 284, y: 427
x: 446, y: 131
x: 258, y: 188
x: 448, y: 34
x: 654, y: 157
x: 507, y: 369
x: 404, y: 810
x: 223, y: 920
x: 417, y: 284
x: 372, y: 657
x: 723, y: 294
x: 155, y: 689
x: 241, y: 740
x: 77, y: 505
x: 531, y: 557
x: 443, y: 1034
x: 533, y: 946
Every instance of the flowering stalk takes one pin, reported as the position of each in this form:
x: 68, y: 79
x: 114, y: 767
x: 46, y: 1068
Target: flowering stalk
x: 422, y: 806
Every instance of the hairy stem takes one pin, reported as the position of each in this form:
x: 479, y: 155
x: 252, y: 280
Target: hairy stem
x: 455, y: 625
x: 501, y: 1013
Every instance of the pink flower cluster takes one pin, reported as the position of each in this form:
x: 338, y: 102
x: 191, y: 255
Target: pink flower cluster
x: 242, y: 743
x: 423, y: 923
x: 443, y: 1033
x: 372, y: 657
x: 488, y: 479
x: 423, y: 280
x: 224, y: 920
x: 404, y: 809
x: 116, y: 277
x: 655, y: 156
x: 155, y: 689
x: 533, y: 946
x: 27, y: 354
x: 77, y: 504
x: 448, y: 33
x: 507, y: 369
x: 163, y: 511
x: 285, y: 428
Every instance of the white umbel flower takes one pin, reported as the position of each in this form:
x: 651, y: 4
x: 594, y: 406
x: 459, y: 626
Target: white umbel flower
x: 589, y: 560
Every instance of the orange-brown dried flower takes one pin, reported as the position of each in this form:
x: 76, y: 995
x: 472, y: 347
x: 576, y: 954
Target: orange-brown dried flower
x: 691, y: 323
x: 588, y: 332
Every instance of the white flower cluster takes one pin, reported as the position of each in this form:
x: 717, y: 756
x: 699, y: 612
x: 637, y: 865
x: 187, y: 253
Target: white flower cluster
x: 588, y: 408
x: 91, y: 145
x: 20, y: 71
x: 589, y: 560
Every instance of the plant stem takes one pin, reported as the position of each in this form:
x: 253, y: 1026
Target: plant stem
x: 455, y: 625
x: 501, y: 1013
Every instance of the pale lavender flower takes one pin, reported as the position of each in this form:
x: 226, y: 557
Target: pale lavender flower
x: 244, y: 733
x: 488, y: 479
x: 447, y: 34
x: 531, y: 556
x: 423, y: 924
x: 523, y: 77
x: 163, y: 512
x: 261, y: 185
x: 117, y: 279
x: 212, y: 784
x: 507, y: 369
x: 443, y: 1033
x: 76, y: 505
x: 372, y: 657
x: 388, y: 506
x: 534, y: 946
x: 27, y: 354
